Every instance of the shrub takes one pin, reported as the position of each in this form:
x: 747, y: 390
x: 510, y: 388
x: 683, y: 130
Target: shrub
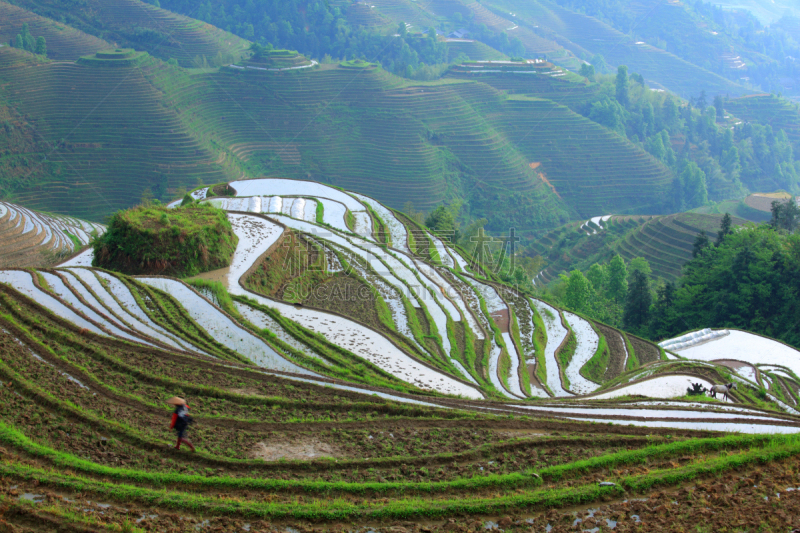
x: 176, y: 242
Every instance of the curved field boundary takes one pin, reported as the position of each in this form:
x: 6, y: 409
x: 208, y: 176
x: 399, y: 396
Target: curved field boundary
x: 583, y: 352
x: 556, y: 338
x: 322, y: 312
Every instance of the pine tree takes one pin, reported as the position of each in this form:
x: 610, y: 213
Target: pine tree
x: 637, y: 304
x: 724, y: 229
x: 663, y: 318
x: 700, y: 242
x: 622, y: 85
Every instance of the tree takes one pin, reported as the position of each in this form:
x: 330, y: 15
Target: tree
x: 701, y: 242
x: 750, y: 281
x: 41, y: 46
x: 402, y: 30
x: 655, y: 145
x: 578, y: 292
x: 701, y: 101
x: 622, y: 85
x: 785, y: 215
x: 608, y: 113
x: 720, y: 107
x: 441, y: 220
x: 691, y: 188
x: 28, y: 42
x: 587, y: 71
x: 639, y: 264
x: 638, y: 301
x: 599, y: 63
x: 617, y: 279
x: 598, y: 277
x: 724, y: 229
x: 663, y: 318
x: 19, y: 43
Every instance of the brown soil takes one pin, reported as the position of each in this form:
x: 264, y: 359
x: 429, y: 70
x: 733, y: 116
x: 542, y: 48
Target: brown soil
x: 347, y: 296
x: 645, y: 352
x: 616, y: 362
x: 292, y: 258
x: 307, y: 448
x: 547, y: 182
x: 223, y: 189
x: 502, y: 319
x: 730, y: 363
x: 762, y: 202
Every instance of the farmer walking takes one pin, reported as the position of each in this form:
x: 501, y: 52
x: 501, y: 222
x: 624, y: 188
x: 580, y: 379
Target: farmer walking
x: 180, y: 421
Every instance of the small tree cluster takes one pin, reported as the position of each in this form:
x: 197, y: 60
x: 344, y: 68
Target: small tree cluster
x: 614, y: 292
x: 26, y: 41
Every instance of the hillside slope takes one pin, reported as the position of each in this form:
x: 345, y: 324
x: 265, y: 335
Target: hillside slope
x: 133, y: 23
x: 353, y: 126
x: 96, y: 122
x: 665, y: 241
x: 63, y: 41
x: 586, y: 36
x: 29, y: 238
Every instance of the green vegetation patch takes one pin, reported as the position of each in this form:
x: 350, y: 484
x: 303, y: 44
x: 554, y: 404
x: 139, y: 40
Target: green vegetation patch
x: 151, y: 239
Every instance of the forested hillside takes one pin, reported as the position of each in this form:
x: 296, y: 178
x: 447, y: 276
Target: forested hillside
x: 554, y: 144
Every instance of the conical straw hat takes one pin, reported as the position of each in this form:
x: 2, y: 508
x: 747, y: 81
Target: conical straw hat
x: 176, y: 401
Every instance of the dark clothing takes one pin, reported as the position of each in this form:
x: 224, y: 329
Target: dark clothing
x: 180, y: 423
x: 180, y: 418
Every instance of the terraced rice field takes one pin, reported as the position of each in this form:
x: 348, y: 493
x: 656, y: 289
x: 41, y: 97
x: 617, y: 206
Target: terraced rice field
x: 113, y: 116
x: 768, y: 109
x: 213, y: 125
x: 63, y: 41
x: 310, y: 415
x: 552, y: 135
x: 665, y: 241
x: 474, y: 50
x: 581, y: 34
x: 30, y: 238
x: 192, y: 42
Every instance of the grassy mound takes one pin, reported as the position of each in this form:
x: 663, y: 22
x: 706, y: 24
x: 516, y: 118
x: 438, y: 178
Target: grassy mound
x: 175, y: 242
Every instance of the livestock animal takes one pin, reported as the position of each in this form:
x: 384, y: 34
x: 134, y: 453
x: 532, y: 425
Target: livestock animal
x: 722, y: 389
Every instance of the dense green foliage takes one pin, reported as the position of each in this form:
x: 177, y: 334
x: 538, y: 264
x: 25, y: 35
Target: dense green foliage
x: 151, y: 239
x: 751, y: 281
x: 25, y: 41
x: 610, y: 292
x: 710, y: 158
x: 318, y: 29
